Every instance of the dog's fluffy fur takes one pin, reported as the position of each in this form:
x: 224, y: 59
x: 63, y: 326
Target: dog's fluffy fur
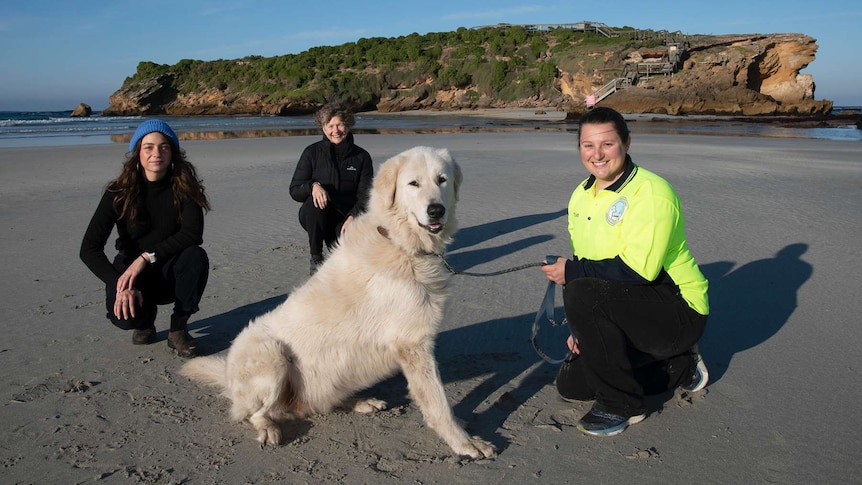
x: 372, y: 309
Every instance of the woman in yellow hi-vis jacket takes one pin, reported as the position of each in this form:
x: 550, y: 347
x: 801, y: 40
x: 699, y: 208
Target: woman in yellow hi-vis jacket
x: 634, y: 297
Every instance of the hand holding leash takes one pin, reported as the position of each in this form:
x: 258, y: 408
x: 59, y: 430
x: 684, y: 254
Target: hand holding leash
x: 546, y: 311
x: 555, y: 269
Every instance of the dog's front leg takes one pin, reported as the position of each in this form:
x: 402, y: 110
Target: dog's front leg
x: 364, y: 406
x: 426, y: 390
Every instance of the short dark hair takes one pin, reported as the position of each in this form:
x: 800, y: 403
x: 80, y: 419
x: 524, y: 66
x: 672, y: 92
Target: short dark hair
x: 331, y: 110
x: 597, y: 116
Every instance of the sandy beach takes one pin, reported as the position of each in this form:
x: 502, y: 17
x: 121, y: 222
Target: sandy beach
x: 81, y: 404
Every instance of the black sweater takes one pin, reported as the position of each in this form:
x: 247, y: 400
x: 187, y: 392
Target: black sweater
x: 157, y: 229
x: 344, y: 170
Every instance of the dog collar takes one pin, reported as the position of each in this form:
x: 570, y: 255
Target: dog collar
x: 385, y: 233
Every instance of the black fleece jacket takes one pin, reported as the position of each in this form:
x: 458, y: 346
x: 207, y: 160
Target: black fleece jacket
x: 157, y: 230
x: 344, y: 170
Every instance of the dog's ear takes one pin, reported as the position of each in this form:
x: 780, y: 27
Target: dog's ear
x: 459, y: 177
x: 456, y: 169
x: 386, y: 180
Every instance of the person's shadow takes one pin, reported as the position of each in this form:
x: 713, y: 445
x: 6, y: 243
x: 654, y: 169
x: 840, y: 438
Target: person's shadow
x: 216, y: 333
x: 462, y: 260
x: 749, y: 304
x: 470, y: 236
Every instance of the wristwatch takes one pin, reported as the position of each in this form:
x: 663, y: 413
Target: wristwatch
x: 151, y: 257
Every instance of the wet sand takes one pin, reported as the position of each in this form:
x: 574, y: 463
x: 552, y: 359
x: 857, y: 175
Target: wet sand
x: 773, y: 223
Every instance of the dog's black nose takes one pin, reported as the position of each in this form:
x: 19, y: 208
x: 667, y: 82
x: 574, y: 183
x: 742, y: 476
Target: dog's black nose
x: 436, y: 211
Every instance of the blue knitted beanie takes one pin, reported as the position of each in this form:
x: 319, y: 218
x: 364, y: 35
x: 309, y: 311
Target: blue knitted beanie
x: 150, y: 126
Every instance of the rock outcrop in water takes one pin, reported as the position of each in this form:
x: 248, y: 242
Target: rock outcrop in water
x: 83, y: 110
x: 724, y: 75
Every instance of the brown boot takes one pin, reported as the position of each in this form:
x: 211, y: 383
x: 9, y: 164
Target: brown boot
x: 179, y: 338
x: 144, y: 336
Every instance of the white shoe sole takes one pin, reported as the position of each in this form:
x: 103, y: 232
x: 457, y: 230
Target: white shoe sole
x: 614, y: 431
x: 701, y: 368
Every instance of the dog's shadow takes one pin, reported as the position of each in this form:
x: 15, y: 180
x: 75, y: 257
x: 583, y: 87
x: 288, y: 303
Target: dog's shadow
x: 500, y: 367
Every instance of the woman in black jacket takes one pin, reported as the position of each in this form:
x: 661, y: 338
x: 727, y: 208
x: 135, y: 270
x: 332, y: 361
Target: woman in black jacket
x: 157, y: 205
x: 332, y: 180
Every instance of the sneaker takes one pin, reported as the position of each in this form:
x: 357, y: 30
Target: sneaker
x: 600, y: 423
x: 143, y: 336
x: 700, y: 376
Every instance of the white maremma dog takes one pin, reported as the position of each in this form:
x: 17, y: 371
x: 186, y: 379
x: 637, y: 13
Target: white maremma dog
x: 372, y: 309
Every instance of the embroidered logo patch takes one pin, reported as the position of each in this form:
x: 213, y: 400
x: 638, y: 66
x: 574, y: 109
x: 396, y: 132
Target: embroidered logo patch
x: 616, y: 211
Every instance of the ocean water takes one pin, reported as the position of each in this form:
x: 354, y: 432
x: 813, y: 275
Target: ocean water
x: 58, y: 128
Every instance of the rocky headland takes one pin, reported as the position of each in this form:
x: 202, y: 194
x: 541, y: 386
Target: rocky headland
x: 734, y: 75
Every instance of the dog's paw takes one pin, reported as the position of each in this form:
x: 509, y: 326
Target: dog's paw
x: 477, y: 449
x: 367, y: 406
x: 269, y: 435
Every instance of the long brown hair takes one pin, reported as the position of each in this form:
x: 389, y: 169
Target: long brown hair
x: 184, y: 183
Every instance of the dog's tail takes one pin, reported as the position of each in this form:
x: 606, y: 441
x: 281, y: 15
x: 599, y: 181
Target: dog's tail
x: 210, y: 370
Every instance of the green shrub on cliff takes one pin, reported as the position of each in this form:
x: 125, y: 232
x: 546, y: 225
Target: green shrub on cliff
x: 504, y: 63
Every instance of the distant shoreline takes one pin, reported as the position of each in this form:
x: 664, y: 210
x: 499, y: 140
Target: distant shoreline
x: 846, y: 115
x: 58, y: 129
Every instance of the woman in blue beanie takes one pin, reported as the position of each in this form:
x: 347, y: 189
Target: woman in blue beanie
x: 157, y: 205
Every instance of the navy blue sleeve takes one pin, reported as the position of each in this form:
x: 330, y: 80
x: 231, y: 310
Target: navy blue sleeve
x: 607, y: 269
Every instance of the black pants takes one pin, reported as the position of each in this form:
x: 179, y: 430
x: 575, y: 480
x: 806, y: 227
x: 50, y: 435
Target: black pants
x: 634, y: 340
x: 323, y: 225
x: 179, y: 280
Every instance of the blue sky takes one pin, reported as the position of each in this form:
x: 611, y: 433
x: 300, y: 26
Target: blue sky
x: 56, y: 54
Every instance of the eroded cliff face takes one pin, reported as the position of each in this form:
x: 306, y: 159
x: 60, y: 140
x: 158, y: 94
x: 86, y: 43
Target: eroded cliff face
x: 733, y: 75
x: 157, y: 96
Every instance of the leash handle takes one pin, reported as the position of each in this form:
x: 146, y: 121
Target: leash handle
x: 546, y: 311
